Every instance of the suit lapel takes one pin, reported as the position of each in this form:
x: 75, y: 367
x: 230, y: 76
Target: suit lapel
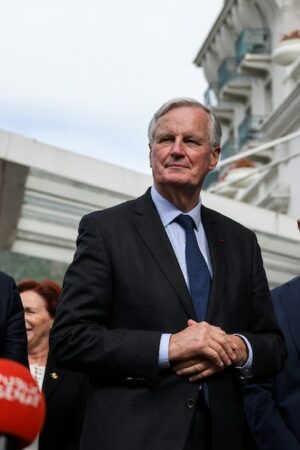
x: 151, y: 230
x: 53, y: 377
x: 216, y: 246
x: 290, y: 300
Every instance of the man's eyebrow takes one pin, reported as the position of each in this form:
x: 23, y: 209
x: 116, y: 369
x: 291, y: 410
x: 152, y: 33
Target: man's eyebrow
x: 163, y: 134
x: 29, y: 308
x: 196, y: 137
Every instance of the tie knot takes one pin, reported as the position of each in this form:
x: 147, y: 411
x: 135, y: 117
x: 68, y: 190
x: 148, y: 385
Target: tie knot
x: 185, y: 221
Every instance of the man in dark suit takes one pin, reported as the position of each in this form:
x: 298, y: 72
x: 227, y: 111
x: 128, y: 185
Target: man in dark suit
x: 132, y: 309
x: 13, y: 340
x: 273, y: 408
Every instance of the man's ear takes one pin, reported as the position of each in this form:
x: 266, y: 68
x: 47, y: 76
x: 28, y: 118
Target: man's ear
x: 150, y: 154
x: 214, y: 157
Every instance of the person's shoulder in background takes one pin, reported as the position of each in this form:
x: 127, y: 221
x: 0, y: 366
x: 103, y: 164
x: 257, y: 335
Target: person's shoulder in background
x: 13, y: 339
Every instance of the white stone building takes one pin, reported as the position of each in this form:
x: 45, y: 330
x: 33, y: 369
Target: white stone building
x: 251, y: 59
x: 44, y: 192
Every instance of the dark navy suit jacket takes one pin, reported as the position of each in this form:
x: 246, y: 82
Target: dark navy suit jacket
x: 13, y: 339
x: 123, y: 289
x: 273, y: 409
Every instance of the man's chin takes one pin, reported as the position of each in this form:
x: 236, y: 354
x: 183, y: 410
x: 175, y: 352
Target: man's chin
x: 178, y: 177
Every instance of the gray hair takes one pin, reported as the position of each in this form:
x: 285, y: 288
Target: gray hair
x: 215, y: 130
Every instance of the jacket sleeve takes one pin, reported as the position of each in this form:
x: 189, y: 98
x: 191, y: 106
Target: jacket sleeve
x: 266, y: 423
x: 264, y: 335
x: 82, y: 338
x: 14, y: 338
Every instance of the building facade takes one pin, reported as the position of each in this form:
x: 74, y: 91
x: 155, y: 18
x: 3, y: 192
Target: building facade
x: 251, y: 60
x: 44, y: 192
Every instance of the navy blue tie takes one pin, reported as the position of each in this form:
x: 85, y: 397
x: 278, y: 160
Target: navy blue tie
x: 198, y: 273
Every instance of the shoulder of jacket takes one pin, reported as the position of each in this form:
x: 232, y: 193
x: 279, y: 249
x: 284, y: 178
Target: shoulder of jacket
x: 118, y: 210
x: 225, y: 220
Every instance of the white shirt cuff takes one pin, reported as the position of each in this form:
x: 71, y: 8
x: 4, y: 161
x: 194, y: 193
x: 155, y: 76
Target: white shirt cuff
x: 246, y: 368
x: 163, y: 357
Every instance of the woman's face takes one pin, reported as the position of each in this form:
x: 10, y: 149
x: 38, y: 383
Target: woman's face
x: 37, y: 320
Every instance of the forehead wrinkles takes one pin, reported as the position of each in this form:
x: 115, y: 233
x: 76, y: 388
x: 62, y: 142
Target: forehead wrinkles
x: 183, y: 123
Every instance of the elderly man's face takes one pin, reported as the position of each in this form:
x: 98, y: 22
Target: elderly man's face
x: 180, y: 154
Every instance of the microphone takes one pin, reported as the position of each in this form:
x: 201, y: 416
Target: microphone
x: 22, y: 406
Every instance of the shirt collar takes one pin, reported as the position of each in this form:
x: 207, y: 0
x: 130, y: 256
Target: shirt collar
x: 168, y: 212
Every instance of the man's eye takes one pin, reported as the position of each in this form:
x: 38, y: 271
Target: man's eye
x: 165, y: 139
x: 192, y: 141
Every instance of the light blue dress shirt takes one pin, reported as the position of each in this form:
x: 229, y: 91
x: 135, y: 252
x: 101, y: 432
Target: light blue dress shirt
x: 167, y: 213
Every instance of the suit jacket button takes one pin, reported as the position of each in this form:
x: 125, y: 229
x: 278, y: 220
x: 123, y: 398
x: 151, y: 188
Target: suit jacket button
x: 190, y: 403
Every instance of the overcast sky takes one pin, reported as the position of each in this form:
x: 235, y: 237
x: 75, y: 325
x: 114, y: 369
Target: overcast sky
x: 87, y: 75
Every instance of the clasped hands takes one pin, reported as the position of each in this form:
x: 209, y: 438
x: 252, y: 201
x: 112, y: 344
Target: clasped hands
x: 201, y: 349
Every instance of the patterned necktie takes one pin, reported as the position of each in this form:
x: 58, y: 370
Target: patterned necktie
x: 198, y: 273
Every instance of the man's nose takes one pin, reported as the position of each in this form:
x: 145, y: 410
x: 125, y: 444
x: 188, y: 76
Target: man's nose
x: 177, y: 147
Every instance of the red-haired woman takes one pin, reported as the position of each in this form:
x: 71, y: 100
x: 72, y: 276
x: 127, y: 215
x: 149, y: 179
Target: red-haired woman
x: 64, y: 390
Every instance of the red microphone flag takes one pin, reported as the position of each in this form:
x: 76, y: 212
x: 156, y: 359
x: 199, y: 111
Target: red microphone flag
x: 22, y: 405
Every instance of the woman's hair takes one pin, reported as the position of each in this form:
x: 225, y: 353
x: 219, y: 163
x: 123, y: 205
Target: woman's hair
x: 49, y: 290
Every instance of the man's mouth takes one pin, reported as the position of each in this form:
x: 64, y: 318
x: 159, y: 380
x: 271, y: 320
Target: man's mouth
x: 175, y: 166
